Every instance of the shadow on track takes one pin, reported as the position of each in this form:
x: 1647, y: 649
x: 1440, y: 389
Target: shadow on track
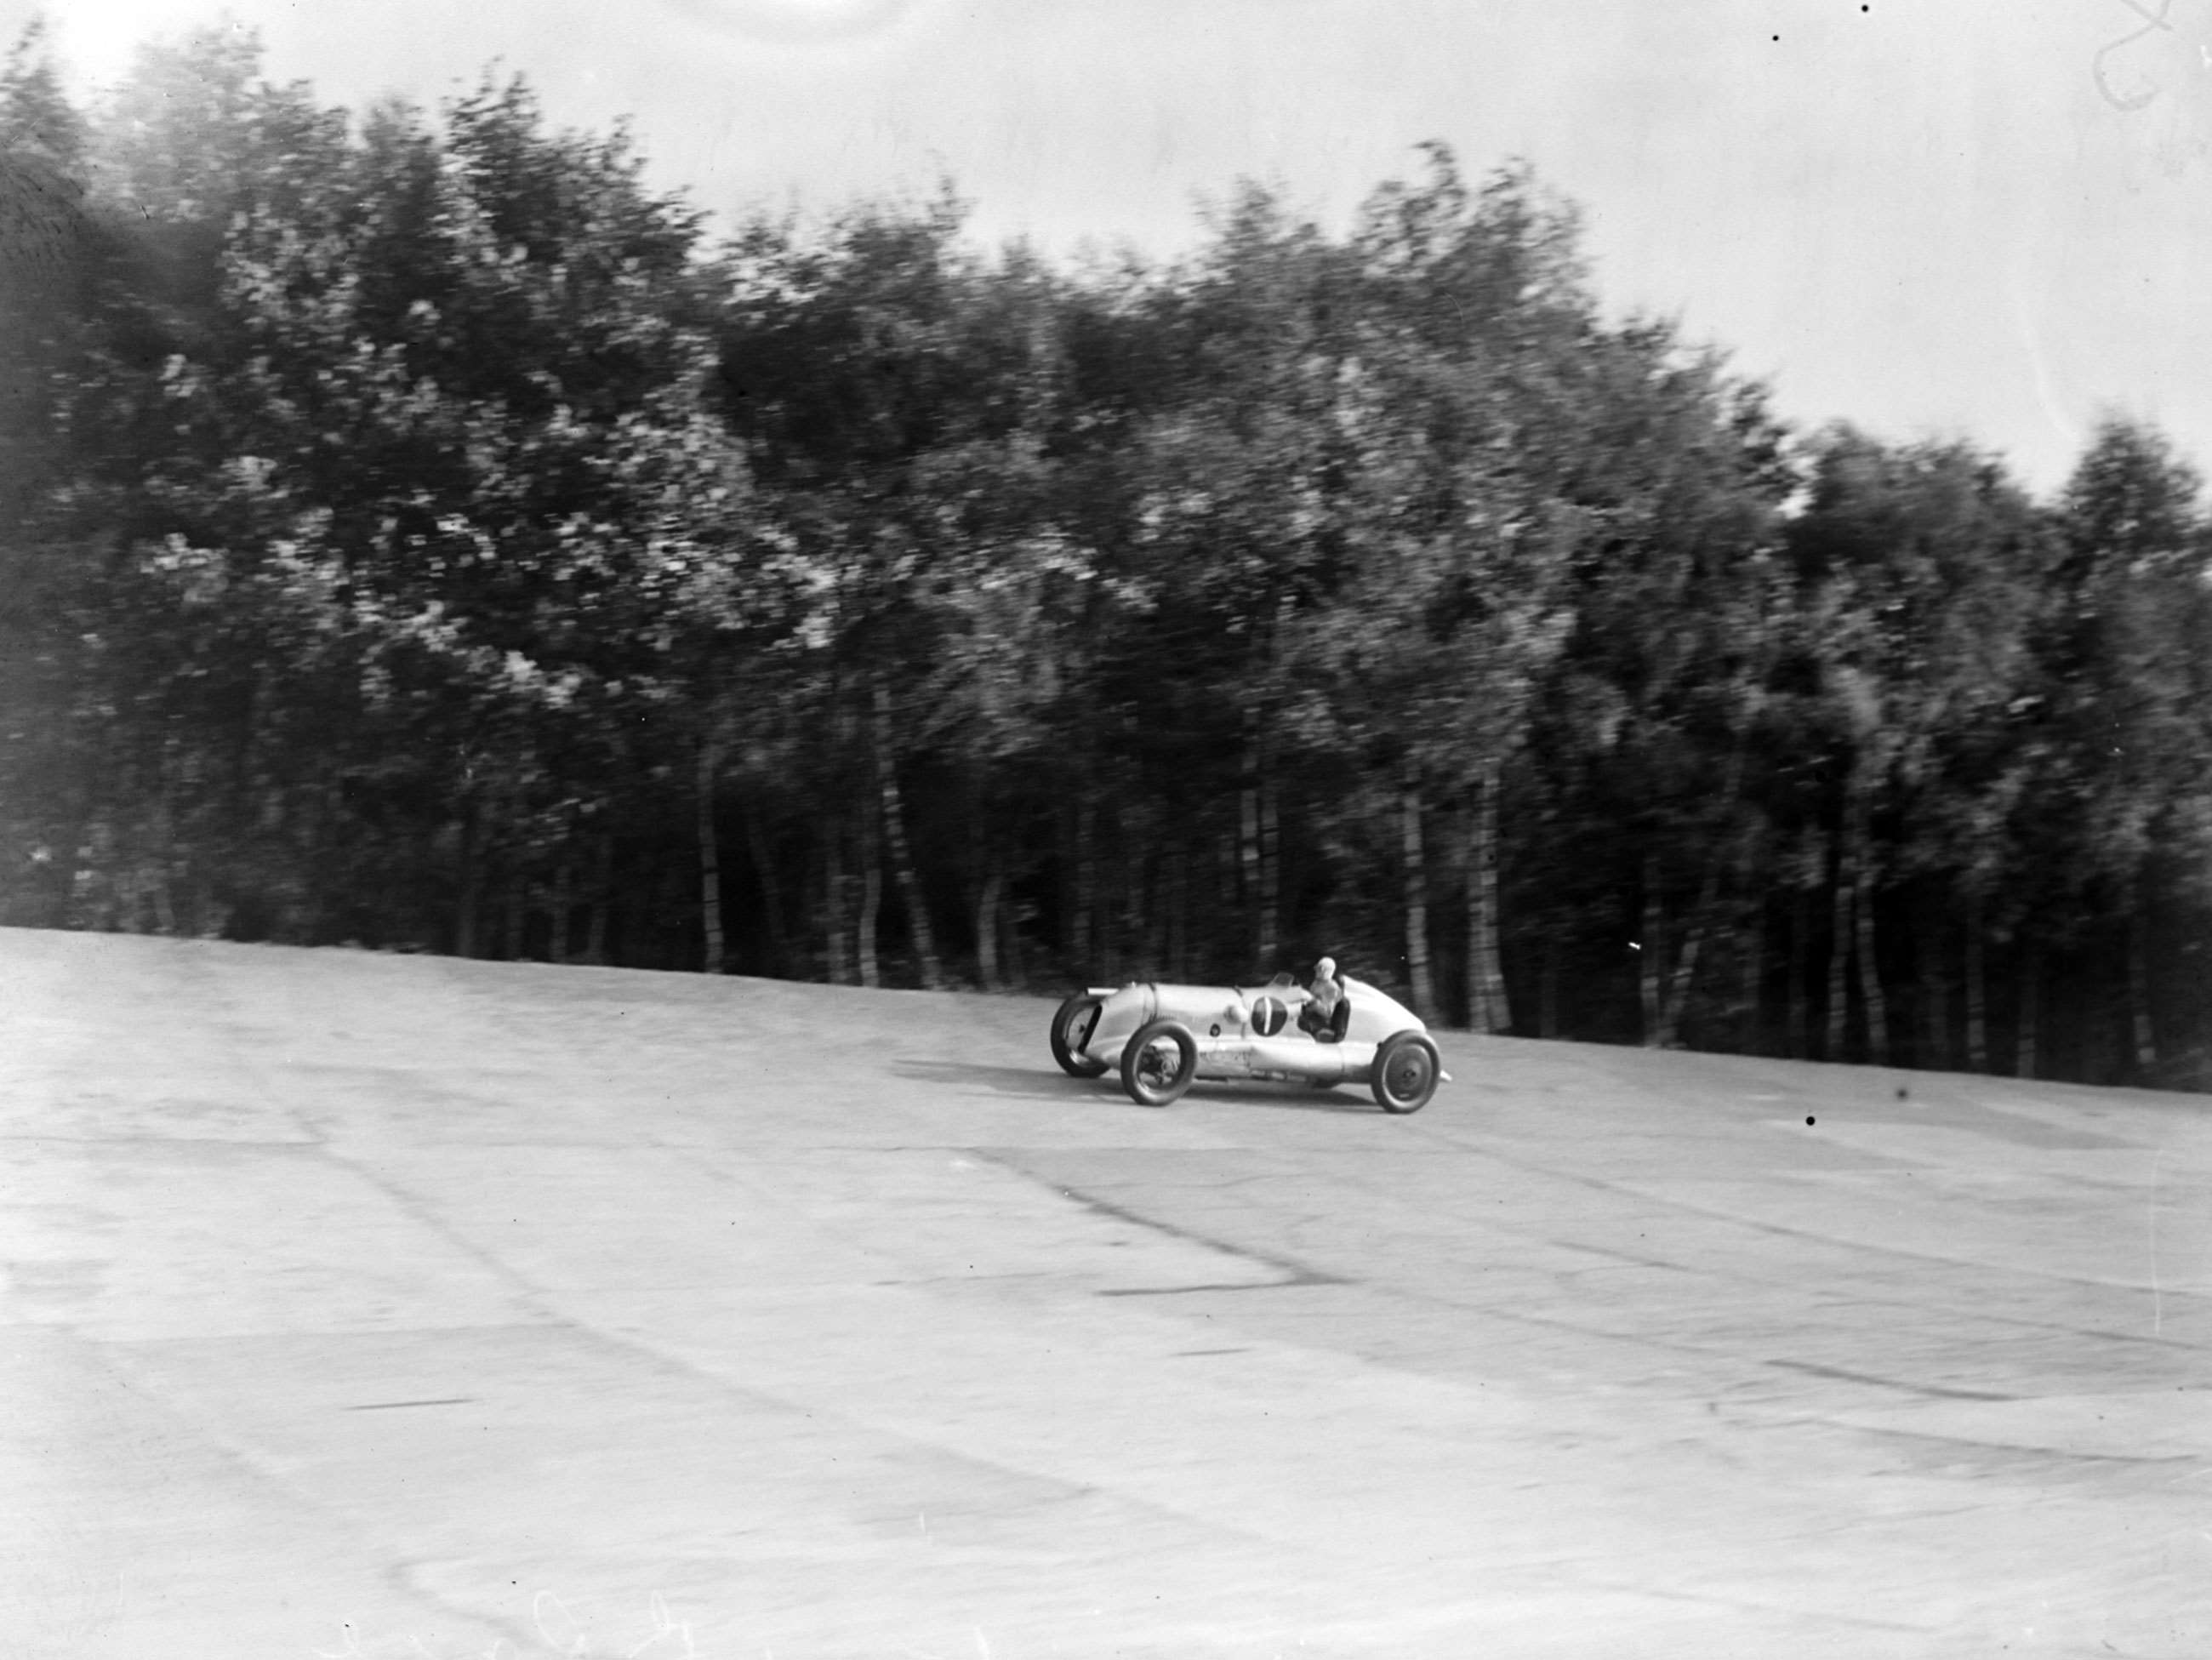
x: 1039, y: 1084
x: 1035, y: 1084
x: 1292, y: 1099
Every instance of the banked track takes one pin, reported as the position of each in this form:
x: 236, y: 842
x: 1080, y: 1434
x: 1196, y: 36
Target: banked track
x: 363, y: 1305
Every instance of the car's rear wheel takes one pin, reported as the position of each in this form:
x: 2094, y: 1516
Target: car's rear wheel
x: 1072, y: 1026
x: 1406, y: 1071
x: 1159, y: 1063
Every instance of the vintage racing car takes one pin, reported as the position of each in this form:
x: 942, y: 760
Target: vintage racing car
x: 1163, y: 1038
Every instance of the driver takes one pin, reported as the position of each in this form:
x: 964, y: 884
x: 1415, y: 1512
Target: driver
x: 1328, y: 1008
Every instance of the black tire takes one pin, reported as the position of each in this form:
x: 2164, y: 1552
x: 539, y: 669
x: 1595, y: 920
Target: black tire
x: 1072, y: 1026
x: 1406, y: 1071
x: 1149, y: 1082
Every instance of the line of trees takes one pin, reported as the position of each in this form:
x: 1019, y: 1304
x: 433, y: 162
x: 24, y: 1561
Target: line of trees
x: 420, y: 532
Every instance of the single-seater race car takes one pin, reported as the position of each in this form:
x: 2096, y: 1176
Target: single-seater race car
x: 1162, y: 1038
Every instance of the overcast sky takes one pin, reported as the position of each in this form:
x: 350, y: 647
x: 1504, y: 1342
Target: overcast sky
x: 1986, y: 217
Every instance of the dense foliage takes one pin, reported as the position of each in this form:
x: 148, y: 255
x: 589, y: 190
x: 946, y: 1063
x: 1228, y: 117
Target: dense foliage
x: 418, y: 532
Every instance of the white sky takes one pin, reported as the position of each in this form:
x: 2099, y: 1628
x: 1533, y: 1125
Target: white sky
x: 1923, y: 216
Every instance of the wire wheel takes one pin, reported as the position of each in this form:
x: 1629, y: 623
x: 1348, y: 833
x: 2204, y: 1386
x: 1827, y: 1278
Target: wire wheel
x: 1159, y: 1063
x: 1407, y: 1068
x: 1073, y: 1023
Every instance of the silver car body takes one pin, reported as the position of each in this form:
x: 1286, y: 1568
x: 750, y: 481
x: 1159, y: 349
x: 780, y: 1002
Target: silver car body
x: 1252, y: 1032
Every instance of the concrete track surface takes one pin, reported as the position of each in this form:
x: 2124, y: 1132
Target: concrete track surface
x: 362, y: 1306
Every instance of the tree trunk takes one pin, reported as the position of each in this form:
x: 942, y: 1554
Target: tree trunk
x: 1086, y: 880
x: 1750, y: 949
x: 1258, y: 847
x: 1871, y: 996
x: 603, y: 892
x: 2031, y: 1010
x: 1014, y: 952
x: 158, y: 864
x: 515, y: 944
x: 710, y: 860
x: 1548, y: 993
x: 1839, y: 946
x: 896, y: 846
x: 564, y: 899
x: 838, y: 941
x: 1248, y: 843
x: 1674, y: 993
x: 1797, y: 1032
x: 672, y: 897
x: 986, y: 930
x: 469, y: 901
x: 771, y: 891
x: 1130, y: 926
x: 1750, y: 936
x: 1977, y: 993
x: 120, y: 913
x: 1417, y: 896
x: 1932, y: 1049
x: 1157, y: 872
x: 1486, y: 1006
x: 1271, y: 874
x: 1178, y: 908
x: 897, y: 850
x: 1650, y: 959
x: 2142, y: 1033
x: 165, y: 910
x: 871, y: 901
x: 63, y: 860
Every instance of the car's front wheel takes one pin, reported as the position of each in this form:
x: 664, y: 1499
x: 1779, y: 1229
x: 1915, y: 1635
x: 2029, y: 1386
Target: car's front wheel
x: 1407, y: 1068
x: 1159, y: 1063
x: 1073, y: 1023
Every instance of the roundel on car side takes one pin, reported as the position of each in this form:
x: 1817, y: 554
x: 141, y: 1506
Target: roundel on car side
x: 1269, y: 1015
